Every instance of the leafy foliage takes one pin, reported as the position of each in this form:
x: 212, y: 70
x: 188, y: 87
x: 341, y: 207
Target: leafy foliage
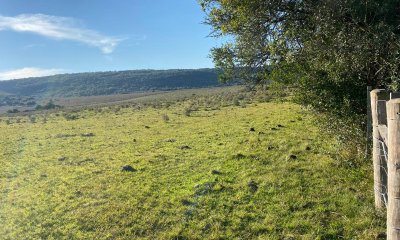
x: 7, y: 100
x: 48, y: 106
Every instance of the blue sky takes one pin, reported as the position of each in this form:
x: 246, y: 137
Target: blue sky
x: 44, y: 37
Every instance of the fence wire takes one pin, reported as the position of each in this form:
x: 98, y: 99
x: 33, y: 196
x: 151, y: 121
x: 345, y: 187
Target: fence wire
x: 383, y: 163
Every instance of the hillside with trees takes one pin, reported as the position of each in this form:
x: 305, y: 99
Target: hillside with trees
x: 107, y: 83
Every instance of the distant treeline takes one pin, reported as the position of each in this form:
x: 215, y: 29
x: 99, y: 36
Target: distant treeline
x: 107, y: 83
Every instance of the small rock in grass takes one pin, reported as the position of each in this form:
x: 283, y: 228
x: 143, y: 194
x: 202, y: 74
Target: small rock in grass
x: 239, y: 156
x: 128, y: 168
x: 204, y: 188
x: 185, y: 147
x: 252, y: 129
x: 87, y: 134
x: 270, y: 147
x: 216, y: 172
x: 186, y: 202
x: 171, y: 140
x: 179, y: 237
x: 380, y: 235
x: 207, y: 227
x: 146, y: 127
x: 352, y: 189
x: 289, y: 238
x: 292, y: 156
x: 274, y: 129
x: 253, y: 186
x: 62, y: 158
x: 280, y: 126
x: 308, y: 148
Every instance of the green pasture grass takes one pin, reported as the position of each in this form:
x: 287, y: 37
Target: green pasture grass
x: 263, y: 171
x: 142, y: 97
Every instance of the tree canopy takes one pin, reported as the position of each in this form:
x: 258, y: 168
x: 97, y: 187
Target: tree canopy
x: 327, y: 51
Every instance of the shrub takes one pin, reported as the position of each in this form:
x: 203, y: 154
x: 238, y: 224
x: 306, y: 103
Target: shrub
x: 13, y: 111
x: 187, y: 111
x: 70, y: 116
x: 32, y: 118
x: 165, y: 117
x: 49, y: 105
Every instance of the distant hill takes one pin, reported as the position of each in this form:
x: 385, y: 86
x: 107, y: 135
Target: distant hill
x: 107, y: 83
x: 29, y: 91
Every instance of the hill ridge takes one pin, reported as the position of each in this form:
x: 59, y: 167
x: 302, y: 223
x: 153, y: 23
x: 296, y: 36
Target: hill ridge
x: 110, y: 82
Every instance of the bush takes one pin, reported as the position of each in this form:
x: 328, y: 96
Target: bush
x: 187, y: 111
x: 165, y: 117
x: 13, y: 111
x: 70, y: 116
x: 49, y: 105
x: 32, y: 118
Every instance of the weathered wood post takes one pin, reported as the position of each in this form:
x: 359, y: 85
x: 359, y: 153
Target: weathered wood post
x: 377, y: 97
x: 369, y: 123
x: 393, y: 211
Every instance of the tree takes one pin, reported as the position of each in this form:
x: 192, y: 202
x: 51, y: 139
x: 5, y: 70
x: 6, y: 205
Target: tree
x: 327, y: 51
x: 49, y: 105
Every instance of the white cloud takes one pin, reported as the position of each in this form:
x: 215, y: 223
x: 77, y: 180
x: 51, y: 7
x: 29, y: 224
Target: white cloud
x: 61, y: 28
x: 29, y: 72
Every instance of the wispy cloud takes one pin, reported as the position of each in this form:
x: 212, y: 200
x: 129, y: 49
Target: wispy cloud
x: 33, y: 45
x: 29, y: 72
x: 61, y: 28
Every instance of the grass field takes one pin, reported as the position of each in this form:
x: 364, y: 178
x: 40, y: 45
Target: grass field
x: 143, y: 97
x: 259, y: 171
x: 149, y: 97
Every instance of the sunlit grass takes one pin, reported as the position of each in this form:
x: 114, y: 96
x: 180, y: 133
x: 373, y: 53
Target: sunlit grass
x: 261, y: 171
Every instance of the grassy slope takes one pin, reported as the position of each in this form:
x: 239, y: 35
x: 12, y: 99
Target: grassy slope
x: 174, y: 194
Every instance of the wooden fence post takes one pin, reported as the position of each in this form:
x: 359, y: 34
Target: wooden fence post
x: 377, y: 95
x: 393, y: 211
x: 369, y: 123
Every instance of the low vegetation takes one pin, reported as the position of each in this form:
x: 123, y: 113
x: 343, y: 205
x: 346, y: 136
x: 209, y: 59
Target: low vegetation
x: 237, y: 167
